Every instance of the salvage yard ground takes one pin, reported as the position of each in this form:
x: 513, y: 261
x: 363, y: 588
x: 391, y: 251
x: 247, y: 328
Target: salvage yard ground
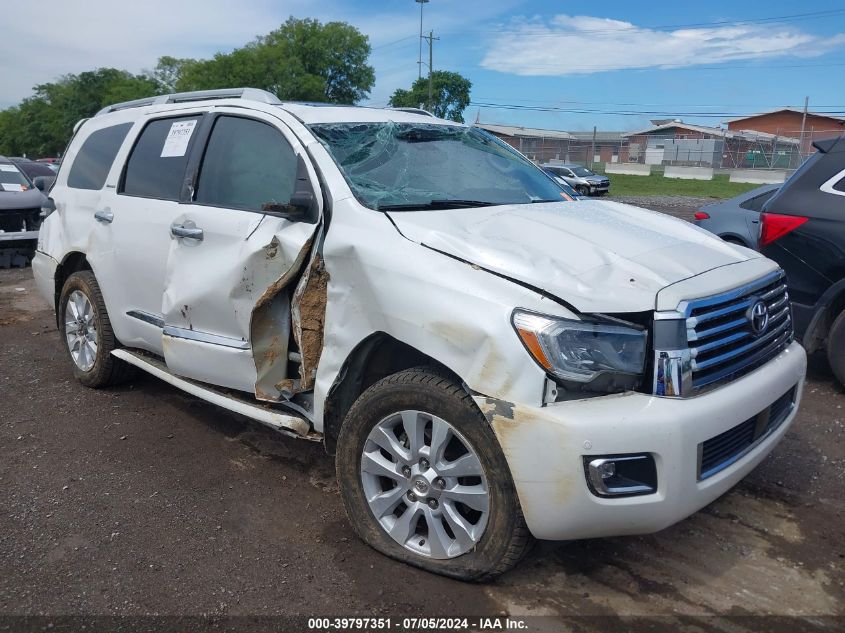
x: 141, y: 499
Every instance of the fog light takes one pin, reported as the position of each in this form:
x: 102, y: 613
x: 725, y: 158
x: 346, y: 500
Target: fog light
x: 621, y: 475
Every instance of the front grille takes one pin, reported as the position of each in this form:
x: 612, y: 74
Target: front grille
x: 725, y: 449
x: 722, y: 342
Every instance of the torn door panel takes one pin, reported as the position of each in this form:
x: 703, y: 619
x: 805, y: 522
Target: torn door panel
x: 214, y: 312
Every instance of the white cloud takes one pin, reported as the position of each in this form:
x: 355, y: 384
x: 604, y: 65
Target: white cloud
x: 574, y: 45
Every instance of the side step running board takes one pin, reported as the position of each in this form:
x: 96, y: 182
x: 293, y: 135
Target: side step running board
x: 288, y: 424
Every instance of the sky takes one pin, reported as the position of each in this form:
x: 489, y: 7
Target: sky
x: 555, y: 65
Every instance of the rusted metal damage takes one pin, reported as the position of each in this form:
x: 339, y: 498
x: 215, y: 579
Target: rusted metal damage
x: 270, y: 329
x: 308, y: 315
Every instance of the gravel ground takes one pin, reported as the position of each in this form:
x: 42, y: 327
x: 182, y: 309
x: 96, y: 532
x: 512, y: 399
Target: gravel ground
x: 679, y: 206
x: 143, y: 500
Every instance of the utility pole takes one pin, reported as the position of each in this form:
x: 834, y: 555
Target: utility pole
x: 593, y: 150
x: 420, y: 61
x: 430, y: 37
x: 804, y: 123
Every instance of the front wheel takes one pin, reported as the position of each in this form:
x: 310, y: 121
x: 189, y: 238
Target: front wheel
x: 424, y: 481
x: 583, y: 190
x: 86, y: 330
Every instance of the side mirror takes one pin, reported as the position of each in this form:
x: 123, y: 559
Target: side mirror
x: 303, y: 203
x: 43, y: 183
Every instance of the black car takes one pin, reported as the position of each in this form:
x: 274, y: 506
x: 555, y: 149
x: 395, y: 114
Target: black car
x: 802, y: 228
x: 33, y: 168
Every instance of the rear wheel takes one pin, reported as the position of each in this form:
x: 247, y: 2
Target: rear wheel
x: 424, y: 481
x: 86, y: 330
x: 836, y: 348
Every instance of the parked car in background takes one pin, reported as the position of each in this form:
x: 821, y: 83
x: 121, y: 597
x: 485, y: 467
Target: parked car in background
x: 584, y: 181
x: 32, y: 168
x: 803, y: 229
x: 487, y: 361
x: 736, y: 220
x: 20, y: 214
x: 569, y: 191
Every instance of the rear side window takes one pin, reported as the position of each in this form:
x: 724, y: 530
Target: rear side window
x: 247, y: 164
x: 840, y: 186
x: 156, y: 166
x: 93, y: 160
x: 756, y: 203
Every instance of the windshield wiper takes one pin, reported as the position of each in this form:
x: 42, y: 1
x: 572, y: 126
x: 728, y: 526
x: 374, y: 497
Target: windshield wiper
x: 436, y: 204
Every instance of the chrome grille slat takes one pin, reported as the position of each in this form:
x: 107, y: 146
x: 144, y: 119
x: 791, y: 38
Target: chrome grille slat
x: 721, y: 344
x: 759, y: 342
x: 697, y: 336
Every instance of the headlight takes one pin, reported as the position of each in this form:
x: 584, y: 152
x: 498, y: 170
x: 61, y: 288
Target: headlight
x: 582, y: 351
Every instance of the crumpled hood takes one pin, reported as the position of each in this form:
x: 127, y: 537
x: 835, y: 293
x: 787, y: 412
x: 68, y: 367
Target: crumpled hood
x: 598, y: 256
x: 29, y: 199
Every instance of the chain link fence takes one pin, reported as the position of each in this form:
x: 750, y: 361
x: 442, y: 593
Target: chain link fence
x: 784, y: 149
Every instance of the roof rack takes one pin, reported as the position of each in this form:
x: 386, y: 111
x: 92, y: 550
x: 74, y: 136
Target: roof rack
x: 251, y: 94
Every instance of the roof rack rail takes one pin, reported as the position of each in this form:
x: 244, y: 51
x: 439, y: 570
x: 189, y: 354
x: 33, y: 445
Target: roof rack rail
x: 252, y: 94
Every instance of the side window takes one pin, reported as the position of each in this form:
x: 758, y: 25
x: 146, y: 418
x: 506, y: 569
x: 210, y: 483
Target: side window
x: 93, y: 160
x: 756, y: 203
x: 247, y: 164
x: 156, y: 166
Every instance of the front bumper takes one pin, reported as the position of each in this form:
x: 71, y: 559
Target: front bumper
x: 44, y: 271
x: 545, y: 447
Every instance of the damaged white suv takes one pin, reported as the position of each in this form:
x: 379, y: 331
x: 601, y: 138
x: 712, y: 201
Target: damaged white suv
x: 487, y: 361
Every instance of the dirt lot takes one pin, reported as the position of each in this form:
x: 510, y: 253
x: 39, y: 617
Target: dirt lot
x: 143, y: 500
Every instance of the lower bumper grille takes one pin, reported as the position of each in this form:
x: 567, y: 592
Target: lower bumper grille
x: 721, y: 451
x: 19, y: 220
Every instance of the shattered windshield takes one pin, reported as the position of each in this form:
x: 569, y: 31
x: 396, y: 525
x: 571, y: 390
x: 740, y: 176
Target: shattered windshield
x: 406, y: 166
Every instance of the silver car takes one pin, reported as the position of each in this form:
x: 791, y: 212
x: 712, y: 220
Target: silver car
x: 736, y: 220
x: 584, y: 181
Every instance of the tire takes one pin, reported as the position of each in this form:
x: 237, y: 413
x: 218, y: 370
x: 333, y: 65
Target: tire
x: 504, y: 537
x: 93, y: 366
x: 836, y: 348
x: 582, y: 190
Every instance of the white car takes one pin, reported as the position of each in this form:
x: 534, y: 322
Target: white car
x: 486, y: 362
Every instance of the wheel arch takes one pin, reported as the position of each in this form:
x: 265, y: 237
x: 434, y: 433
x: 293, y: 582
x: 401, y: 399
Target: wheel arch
x: 377, y: 356
x: 828, y: 307
x: 734, y: 237
x: 72, y: 262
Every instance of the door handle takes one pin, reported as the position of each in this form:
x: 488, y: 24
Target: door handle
x: 188, y: 229
x: 104, y: 216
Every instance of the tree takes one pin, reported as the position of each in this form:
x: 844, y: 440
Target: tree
x: 167, y: 72
x: 450, y: 95
x: 43, y: 123
x: 303, y: 60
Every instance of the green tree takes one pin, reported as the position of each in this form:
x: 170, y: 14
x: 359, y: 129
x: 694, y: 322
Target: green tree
x: 167, y: 72
x: 302, y: 60
x: 43, y: 123
x: 450, y: 95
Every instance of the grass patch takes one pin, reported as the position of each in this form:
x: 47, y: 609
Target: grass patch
x: 658, y: 185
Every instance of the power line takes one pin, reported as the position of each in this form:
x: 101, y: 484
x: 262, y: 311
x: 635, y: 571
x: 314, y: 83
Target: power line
x: 544, y: 31
x: 656, y: 113
x: 674, y: 105
x: 653, y: 67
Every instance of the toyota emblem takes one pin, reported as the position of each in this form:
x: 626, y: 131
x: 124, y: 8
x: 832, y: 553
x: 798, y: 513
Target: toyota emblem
x: 758, y: 317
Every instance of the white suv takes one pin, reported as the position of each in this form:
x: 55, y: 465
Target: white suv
x: 486, y: 361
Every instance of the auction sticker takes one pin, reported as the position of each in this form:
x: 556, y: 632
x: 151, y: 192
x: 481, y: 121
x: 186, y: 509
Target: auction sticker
x: 176, y: 143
